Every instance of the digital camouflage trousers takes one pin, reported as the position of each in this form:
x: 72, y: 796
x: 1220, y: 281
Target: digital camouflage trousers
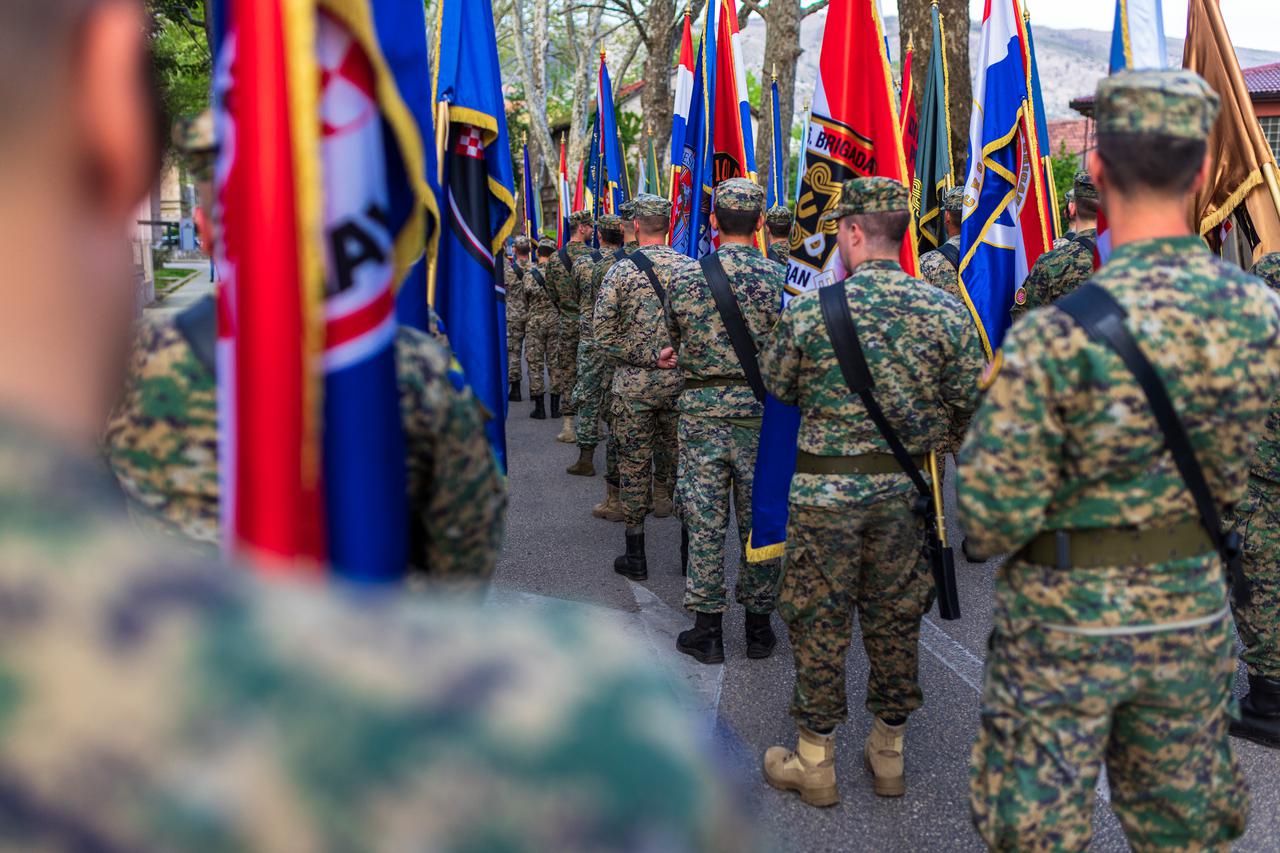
x: 1154, y: 707
x: 1258, y: 520
x: 718, y: 459
x: 867, y: 559
x: 645, y: 432
x: 539, y: 337
x: 515, y: 337
x: 564, y: 361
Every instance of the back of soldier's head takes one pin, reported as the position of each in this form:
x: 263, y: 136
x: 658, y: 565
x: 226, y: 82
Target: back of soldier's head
x: 610, y: 226
x: 739, y: 204
x: 1153, y: 128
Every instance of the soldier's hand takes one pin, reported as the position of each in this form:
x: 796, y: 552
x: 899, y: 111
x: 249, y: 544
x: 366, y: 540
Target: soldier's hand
x: 667, y: 358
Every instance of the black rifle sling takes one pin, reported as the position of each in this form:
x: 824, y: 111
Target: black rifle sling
x: 951, y: 252
x: 853, y: 365
x: 773, y: 254
x: 542, y: 281
x: 1087, y: 242
x: 565, y: 260
x: 731, y: 315
x: 619, y: 254
x: 1102, y: 318
x: 199, y: 325
x: 596, y: 257
x: 642, y: 262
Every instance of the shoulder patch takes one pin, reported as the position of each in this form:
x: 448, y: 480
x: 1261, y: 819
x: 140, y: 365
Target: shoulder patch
x: 1020, y: 296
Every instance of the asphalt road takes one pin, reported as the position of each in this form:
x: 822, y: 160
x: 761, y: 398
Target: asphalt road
x: 555, y: 550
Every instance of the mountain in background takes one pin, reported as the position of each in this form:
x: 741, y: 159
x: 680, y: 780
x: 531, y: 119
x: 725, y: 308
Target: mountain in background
x: 1071, y: 61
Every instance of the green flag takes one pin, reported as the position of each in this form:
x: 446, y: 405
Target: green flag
x: 933, y: 151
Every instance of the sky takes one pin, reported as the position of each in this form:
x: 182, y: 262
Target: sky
x: 1252, y: 23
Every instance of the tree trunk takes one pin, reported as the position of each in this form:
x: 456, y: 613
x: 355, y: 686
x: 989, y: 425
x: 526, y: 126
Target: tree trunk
x: 914, y: 21
x: 781, y: 50
x: 586, y: 50
x: 657, y: 98
x: 531, y: 55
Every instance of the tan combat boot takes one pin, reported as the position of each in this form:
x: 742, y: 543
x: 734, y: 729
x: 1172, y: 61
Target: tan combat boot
x: 567, y: 435
x: 610, y: 509
x: 662, y: 507
x: 809, y: 769
x: 883, y: 757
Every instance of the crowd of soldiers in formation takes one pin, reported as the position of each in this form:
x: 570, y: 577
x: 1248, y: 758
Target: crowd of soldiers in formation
x: 1112, y: 640
x: 154, y: 696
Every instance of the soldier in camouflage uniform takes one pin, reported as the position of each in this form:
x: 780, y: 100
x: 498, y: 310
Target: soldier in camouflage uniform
x: 154, y: 700
x: 594, y: 373
x: 513, y: 274
x: 1069, y: 199
x: 719, y: 427
x: 596, y: 376
x: 937, y: 265
x: 1258, y: 621
x: 630, y: 232
x: 1111, y: 639
x: 542, y: 320
x: 1058, y: 272
x: 631, y: 330
x: 853, y: 539
x: 561, y: 278
x: 778, y: 221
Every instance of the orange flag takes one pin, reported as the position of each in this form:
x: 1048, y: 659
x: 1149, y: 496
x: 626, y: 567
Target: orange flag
x: 1243, y: 166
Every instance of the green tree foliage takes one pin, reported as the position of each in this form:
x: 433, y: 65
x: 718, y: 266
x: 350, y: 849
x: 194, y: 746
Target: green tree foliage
x: 180, y: 55
x: 1065, y: 165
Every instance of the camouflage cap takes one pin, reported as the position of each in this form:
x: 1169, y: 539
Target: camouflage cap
x: 1069, y: 196
x: 1175, y: 103
x: 627, y: 210
x: 580, y: 217
x: 1268, y: 269
x: 546, y: 244
x: 194, y: 139
x: 610, y: 221
x: 648, y: 204
x: 868, y: 195
x: 778, y: 216
x: 740, y: 194
x: 952, y: 200
x: 523, y: 244
x: 1084, y: 187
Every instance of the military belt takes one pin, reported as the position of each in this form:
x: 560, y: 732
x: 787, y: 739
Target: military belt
x: 1118, y: 546
x: 863, y: 463
x: 715, y: 382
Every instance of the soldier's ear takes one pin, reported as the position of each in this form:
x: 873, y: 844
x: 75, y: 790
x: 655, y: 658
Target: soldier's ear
x: 1202, y: 176
x: 1098, y: 171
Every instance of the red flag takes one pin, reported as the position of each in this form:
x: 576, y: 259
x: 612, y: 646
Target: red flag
x: 273, y: 288
x: 853, y: 131
x: 910, y: 121
x: 735, y: 151
x: 578, y: 200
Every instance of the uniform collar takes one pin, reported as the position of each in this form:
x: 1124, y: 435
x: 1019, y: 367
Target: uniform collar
x: 877, y: 264
x: 738, y: 248
x: 1159, y: 247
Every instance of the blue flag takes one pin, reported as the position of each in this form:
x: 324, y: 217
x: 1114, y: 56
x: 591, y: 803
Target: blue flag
x: 613, y: 179
x: 479, y: 203
x: 777, y: 180
x: 532, y: 221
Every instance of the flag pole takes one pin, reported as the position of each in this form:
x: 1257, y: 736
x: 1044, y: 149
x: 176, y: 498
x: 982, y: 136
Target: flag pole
x: 1269, y: 172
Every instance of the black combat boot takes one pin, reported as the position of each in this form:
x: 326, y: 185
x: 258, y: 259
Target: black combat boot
x: 760, y: 638
x: 1260, y: 713
x: 584, y: 467
x: 705, y: 640
x: 513, y: 396
x: 684, y: 550
x: 539, y: 413
x: 633, y: 564
x: 555, y: 405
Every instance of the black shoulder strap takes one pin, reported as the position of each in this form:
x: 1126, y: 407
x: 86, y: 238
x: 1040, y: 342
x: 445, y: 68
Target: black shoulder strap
x: 772, y: 254
x: 1103, y: 319
x: 731, y: 315
x: 565, y: 260
x: 951, y: 253
x: 540, y: 279
x: 199, y: 325
x: 619, y: 254
x: 642, y: 262
x: 853, y: 364
x: 1088, y: 242
x: 596, y: 257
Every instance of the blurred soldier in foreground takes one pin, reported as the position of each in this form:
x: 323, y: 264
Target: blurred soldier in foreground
x: 1111, y: 639
x: 1258, y: 621
x: 720, y: 416
x: 564, y: 356
x: 1058, y: 272
x: 594, y: 374
x: 941, y: 266
x: 854, y: 541
x: 155, y: 701
x: 513, y: 274
x: 631, y: 330
x: 778, y: 221
x: 542, y: 319
x: 162, y: 440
